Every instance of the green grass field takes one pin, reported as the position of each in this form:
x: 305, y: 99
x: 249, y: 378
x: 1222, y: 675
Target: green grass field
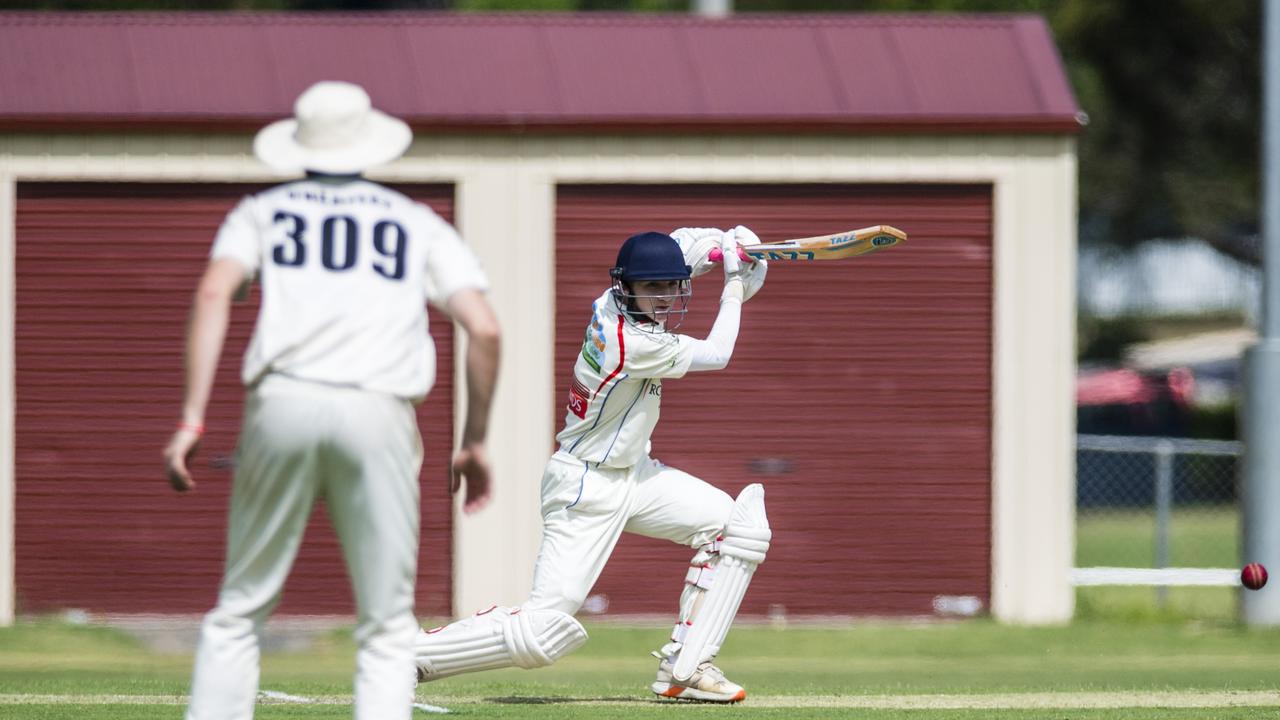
x: 1205, y: 536
x: 1127, y: 656
x: 932, y: 671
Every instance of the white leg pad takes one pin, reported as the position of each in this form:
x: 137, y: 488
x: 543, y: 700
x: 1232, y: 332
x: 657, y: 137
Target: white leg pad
x: 742, y: 548
x: 497, y: 638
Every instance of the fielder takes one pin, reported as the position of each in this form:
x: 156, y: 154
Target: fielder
x: 602, y: 481
x: 339, y: 357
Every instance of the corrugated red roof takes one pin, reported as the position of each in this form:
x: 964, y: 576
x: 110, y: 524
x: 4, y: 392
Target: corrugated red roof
x: 854, y: 72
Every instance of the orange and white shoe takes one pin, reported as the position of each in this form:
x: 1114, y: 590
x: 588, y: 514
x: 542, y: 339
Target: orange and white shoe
x: 708, y: 684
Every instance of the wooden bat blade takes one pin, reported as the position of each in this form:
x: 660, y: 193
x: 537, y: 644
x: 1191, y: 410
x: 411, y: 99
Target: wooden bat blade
x: 830, y: 247
x: 836, y: 246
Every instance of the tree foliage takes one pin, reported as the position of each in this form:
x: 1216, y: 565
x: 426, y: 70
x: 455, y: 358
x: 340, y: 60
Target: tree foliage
x: 1173, y: 93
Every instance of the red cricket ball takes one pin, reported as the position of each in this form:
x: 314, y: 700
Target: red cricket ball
x: 1253, y: 576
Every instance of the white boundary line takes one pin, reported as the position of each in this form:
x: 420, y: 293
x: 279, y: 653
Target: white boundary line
x: 1012, y: 701
x: 283, y: 697
x: 1155, y: 576
x: 266, y: 697
x: 287, y: 698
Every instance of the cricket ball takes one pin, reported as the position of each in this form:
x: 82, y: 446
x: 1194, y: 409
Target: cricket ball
x: 1253, y: 576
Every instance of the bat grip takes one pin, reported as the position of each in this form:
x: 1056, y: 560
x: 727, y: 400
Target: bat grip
x: 716, y: 255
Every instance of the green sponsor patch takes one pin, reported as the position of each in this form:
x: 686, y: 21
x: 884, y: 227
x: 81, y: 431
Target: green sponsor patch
x: 588, y: 353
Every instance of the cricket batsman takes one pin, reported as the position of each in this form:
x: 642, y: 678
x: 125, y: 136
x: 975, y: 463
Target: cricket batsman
x: 602, y: 481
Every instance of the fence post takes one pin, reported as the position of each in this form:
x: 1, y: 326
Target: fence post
x: 1164, y: 510
x: 1260, y: 486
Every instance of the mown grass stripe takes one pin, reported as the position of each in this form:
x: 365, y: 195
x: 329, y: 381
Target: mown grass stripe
x: 1011, y: 701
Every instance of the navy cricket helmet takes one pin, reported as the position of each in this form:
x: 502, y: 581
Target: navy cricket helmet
x: 652, y: 256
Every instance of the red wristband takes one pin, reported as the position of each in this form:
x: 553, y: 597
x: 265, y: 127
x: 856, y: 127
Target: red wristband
x: 196, y: 428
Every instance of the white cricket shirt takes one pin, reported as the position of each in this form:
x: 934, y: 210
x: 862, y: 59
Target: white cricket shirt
x: 617, y: 386
x: 346, y: 270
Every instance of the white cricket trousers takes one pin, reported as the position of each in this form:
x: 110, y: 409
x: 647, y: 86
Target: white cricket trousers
x: 586, y: 508
x: 361, y: 453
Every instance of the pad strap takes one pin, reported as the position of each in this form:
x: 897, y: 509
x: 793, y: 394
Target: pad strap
x: 701, y: 576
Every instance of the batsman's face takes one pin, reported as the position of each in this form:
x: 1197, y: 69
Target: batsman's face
x: 655, y: 298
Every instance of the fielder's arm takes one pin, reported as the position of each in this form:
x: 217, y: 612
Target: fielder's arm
x: 206, y: 331
x: 469, y: 309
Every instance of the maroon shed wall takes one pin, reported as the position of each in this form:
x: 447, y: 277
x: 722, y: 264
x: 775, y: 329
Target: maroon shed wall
x: 859, y: 392
x: 105, y: 274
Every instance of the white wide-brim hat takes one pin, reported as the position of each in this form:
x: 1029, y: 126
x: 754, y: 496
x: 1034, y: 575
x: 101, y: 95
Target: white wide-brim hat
x: 335, y: 129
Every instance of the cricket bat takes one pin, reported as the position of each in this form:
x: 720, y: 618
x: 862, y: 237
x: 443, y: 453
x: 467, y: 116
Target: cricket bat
x: 837, y: 246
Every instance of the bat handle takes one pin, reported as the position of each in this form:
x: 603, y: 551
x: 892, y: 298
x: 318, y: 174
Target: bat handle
x: 716, y: 255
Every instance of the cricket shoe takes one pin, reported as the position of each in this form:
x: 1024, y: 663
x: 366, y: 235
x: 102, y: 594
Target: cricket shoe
x: 707, y: 684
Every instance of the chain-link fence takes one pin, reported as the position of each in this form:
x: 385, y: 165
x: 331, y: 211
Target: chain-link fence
x: 1157, y: 503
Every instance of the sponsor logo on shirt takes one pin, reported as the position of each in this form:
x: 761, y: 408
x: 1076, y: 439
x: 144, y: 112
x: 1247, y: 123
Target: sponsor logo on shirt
x: 593, y: 344
x: 578, y: 395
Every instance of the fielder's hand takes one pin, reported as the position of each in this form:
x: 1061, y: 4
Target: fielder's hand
x: 472, y: 463
x: 177, y: 457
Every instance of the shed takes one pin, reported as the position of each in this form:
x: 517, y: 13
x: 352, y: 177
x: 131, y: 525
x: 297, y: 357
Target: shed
x: 910, y: 412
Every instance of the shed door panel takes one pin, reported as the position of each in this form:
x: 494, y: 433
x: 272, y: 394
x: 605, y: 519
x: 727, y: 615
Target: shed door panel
x: 105, y: 275
x: 859, y: 392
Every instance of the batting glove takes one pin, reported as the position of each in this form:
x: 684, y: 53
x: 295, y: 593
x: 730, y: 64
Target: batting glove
x: 729, y: 246
x: 745, y: 236
x: 753, y: 274
x: 696, y: 244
